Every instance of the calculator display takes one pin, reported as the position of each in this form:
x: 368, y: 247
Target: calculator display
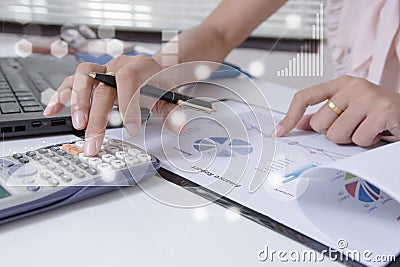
x: 3, y: 193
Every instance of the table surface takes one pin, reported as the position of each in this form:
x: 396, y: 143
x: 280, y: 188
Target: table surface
x: 129, y: 227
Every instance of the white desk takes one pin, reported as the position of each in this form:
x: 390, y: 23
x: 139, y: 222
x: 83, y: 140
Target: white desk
x: 129, y: 228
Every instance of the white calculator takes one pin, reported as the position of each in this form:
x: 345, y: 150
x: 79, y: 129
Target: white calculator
x: 54, y: 176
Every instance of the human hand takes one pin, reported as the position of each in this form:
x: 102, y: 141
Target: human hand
x: 91, y: 101
x: 367, y: 111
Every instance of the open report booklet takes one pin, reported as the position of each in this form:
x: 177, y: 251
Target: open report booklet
x: 325, y: 191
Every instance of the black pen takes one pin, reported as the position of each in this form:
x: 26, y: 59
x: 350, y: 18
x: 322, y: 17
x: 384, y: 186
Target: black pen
x: 157, y: 93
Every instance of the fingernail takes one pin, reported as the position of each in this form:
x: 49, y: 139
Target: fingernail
x: 90, y: 148
x: 79, y: 119
x: 278, y: 131
x: 48, y: 110
x: 132, y: 128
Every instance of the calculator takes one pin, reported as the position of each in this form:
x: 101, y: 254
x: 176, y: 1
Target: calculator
x: 57, y: 175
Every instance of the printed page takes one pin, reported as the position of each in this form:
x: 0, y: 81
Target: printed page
x: 365, y: 210
x: 231, y: 153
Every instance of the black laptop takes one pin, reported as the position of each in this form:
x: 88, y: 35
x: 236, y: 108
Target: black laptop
x: 26, y: 85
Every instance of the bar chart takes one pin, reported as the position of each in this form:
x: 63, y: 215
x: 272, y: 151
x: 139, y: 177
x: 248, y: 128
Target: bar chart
x: 310, y: 61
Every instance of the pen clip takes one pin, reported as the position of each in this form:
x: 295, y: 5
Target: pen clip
x: 195, y: 106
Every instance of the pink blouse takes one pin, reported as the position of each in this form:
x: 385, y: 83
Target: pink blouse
x: 364, y: 36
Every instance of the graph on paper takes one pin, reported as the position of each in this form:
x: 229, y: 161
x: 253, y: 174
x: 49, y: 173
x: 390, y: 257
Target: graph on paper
x: 224, y: 146
x: 305, y: 63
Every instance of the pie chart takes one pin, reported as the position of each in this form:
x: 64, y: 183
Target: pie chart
x: 223, y: 146
x: 360, y: 189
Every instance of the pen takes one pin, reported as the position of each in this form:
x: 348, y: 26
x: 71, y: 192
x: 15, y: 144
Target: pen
x: 157, y: 93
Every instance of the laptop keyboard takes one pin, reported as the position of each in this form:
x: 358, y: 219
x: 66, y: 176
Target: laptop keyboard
x: 15, y: 94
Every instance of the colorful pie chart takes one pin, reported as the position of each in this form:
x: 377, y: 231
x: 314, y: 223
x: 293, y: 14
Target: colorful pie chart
x: 360, y: 189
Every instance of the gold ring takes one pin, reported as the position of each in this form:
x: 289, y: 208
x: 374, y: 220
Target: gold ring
x: 333, y: 106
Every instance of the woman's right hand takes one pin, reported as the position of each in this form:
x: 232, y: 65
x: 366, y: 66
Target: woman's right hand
x: 91, y: 101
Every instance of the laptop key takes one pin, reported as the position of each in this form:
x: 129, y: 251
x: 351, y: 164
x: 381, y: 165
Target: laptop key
x: 5, y: 94
x: 26, y: 98
x: 38, y: 80
x: 17, y: 94
x: 32, y: 109
x: 17, y: 83
x: 28, y: 103
x: 7, y: 108
x: 6, y: 99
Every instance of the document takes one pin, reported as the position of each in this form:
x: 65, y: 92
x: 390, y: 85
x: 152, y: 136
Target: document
x: 326, y: 191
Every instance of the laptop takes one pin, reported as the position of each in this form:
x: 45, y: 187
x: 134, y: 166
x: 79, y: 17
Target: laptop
x: 26, y: 85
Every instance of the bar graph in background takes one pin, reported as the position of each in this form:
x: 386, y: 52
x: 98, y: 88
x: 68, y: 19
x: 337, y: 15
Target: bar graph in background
x: 310, y: 61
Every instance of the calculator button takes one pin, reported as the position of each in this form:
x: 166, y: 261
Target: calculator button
x: 50, y: 167
x: 56, y: 159
x: 76, y: 150
x: 93, y: 162
x: 117, y: 164
x: 22, y: 170
x: 66, y: 178
x: 44, y: 162
x: 24, y: 160
x: 67, y: 147
x: 75, y: 161
x: 54, y: 148
x: 134, y: 152
x: 144, y: 157
x: 70, y: 168
x: 45, y: 175
x: 120, y: 155
x: 58, y: 172
x: 107, y: 158
x: 17, y: 156
x: 101, y: 153
x: 83, y: 165
x: 114, y: 142
x: 104, y: 167
x: 53, y: 182
x: 91, y: 171
x: 33, y: 188
x: 79, y: 174
x: 61, y: 152
x: 42, y: 150
x: 111, y: 149
x: 83, y: 157
x: 37, y: 157
x: 27, y: 180
x: 125, y: 147
x: 68, y: 157
x: 6, y: 163
x: 30, y: 153
x: 132, y: 161
x: 63, y: 163
x: 49, y: 154
x: 80, y: 144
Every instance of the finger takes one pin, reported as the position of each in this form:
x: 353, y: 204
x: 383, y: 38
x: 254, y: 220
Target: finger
x: 304, y: 123
x: 344, y: 126
x: 368, y: 133
x: 102, y: 102
x: 60, y: 98
x: 173, y: 115
x: 81, y: 93
x: 305, y: 98
x: 325, y: 117
x: 129, y: 78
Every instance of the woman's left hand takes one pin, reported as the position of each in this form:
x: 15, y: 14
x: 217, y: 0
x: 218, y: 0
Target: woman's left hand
x: 360, y: 111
